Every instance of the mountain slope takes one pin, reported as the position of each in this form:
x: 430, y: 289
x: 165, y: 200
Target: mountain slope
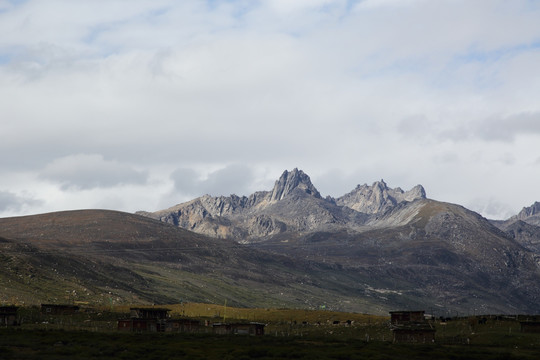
x: 445, y: 256
x: 111, y: 257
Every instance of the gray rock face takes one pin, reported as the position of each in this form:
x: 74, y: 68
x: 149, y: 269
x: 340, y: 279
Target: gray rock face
x: 524, y: 228
x: 378, y: 198
x: 264, y: 225
x: 526, y: 234
x: 294, y: 180
x: 530, y: 215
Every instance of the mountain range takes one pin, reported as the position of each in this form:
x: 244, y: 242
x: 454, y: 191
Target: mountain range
x: 294, y: 205
x: 372, y: 250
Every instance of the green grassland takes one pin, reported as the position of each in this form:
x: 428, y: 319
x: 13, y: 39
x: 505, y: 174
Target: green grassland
x: 290, y: 334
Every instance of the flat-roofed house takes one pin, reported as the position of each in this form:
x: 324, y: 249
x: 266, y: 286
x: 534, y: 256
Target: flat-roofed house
x: 8, y: 315
x: 411, y: 327
x: 145, y: 319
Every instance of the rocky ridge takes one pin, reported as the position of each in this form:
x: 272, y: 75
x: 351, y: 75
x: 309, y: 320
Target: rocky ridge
x: 530, y: 215
x: 379, y: 198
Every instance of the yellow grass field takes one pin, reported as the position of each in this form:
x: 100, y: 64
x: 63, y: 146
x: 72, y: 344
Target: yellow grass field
x: 227, y: 313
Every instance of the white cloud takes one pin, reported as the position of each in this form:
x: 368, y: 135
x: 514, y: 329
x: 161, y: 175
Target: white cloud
x: 105, y: 99
x: 287, y: 6
x: 14, y: 203
x: 491, y: 208
x: 232, y: 179
x: 370, y: 4
x: 84, y: 171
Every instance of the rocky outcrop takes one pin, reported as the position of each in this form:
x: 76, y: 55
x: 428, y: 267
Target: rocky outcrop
x: 530, y: 215
x: 526, y: 234
x: 294, y: 180
x: 524, y: 227
x: 378, y: 198
x: 264, y: 225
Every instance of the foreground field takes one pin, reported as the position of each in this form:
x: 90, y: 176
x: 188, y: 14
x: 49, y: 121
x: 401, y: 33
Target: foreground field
x: 57, y: 344
x: 290, y: 334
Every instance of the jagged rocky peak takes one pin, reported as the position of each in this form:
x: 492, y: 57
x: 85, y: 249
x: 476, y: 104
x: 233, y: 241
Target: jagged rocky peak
x: 527, y: 212
x: 290, y: 181
x: 417, y: 192
x: 530, y: 215
x: 378, y: 197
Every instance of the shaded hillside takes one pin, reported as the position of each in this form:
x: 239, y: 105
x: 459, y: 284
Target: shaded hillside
x: 445, y: 253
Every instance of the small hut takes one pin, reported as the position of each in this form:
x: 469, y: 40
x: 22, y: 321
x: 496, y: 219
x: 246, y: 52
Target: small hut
x: 411, y: 327
x: 142, y: 325
x: 145, y: 319
x: 8, y: 315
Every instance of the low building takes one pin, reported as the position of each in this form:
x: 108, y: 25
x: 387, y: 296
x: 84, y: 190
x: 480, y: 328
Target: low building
x: 145, y: 319
x: 252, y: 328
x: 55, y: 309
x: 8, y: 315
x: 411, y: 327
x: 142, y: 325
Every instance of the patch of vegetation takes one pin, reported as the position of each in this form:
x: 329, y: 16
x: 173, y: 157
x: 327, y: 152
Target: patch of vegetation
x: 58, y: 344
x: 290, y: 334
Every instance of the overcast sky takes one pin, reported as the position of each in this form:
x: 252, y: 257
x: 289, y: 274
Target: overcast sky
x: 140, y: 105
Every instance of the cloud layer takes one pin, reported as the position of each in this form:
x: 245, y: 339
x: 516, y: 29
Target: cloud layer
x: 148, y: 104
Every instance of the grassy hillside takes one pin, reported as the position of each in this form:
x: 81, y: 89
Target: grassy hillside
x: 107, y: 257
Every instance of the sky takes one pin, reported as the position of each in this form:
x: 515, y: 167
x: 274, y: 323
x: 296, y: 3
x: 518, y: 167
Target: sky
x: 141, y: 105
